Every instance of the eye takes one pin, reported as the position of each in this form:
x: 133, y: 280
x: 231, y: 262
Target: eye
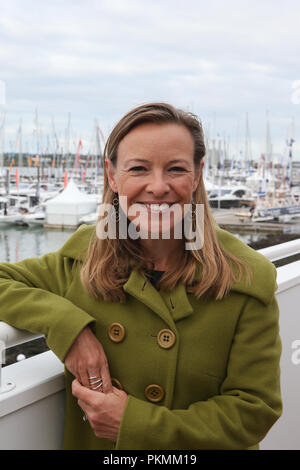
x: 177, y: 169
x: 138, y: 168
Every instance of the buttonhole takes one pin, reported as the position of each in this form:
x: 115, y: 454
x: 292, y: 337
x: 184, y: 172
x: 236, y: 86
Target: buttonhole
x: 171, y: 303
x: 144, y: 285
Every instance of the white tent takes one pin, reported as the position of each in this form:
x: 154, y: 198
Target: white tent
x: 69, y: 206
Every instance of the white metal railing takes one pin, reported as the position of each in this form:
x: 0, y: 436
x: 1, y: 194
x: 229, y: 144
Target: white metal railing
x: 12, y: 336
x: 9, y: 337
x: 281, y: 251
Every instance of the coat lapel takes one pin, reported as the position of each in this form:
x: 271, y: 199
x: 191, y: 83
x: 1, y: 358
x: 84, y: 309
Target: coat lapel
x: 177, y: 302
x: 170, y: 306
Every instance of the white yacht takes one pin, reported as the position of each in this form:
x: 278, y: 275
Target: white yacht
x: 226, y: 197
x: 12, y: 209
x: 10, y: 218
x: 35, y: 217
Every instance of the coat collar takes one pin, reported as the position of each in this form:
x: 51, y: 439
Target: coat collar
x: 170, y: 306
x: 262, y: 287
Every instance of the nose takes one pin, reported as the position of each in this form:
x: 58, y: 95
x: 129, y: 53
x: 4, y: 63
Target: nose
x: 158, y: 184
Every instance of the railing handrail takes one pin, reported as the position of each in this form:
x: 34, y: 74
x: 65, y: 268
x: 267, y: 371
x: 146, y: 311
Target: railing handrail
x: 13, y: 336
x: 286, y: 277
x: 281, y: 251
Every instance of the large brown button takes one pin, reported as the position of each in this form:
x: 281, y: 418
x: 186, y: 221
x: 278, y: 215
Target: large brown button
x: 154, y: 392
x: 115, y: 382
x: 166, y: 338
x: 116, y: 332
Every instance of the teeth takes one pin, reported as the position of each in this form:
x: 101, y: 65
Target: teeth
x: 154, y: 207
x: 163, y: 207
x: 158, y: 207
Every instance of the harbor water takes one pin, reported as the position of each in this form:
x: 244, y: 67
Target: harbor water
x: 20, y: 242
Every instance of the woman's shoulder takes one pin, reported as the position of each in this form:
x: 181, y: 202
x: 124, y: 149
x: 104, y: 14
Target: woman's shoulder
x: 262, y: 286
x: 263, y: 280
x: 76, y: 246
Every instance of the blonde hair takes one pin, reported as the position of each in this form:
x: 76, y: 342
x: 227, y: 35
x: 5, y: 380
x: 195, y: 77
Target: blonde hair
x: 109, y: 262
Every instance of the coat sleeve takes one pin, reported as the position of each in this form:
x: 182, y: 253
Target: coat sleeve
x: 239, y: 417
x: 32, y: 298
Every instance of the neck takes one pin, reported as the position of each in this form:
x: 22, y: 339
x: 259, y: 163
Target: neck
x: 163, y: 253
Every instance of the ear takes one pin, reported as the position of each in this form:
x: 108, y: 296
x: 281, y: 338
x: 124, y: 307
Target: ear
x: 197, y: 176
x: 110, y: 170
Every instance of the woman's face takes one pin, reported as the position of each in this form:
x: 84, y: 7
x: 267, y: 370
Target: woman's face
x: 154, y: 170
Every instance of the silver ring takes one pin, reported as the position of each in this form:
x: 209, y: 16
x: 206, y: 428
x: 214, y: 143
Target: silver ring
x: 84, y: 417
x: 98, y: 386
x: 95, y: 377
x: 96, y: 382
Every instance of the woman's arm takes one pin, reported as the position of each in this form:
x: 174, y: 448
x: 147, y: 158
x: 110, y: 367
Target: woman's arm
x: 32, y: 298
x: 239, y: 417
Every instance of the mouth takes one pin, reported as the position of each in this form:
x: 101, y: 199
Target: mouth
x: 157, y: 206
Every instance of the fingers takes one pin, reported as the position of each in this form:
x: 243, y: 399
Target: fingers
x: 91, y: 379
x: 83, y: 394
x: 83, y: 377
x: 106, y: 379
x: 87, y: 361
x: 95, y: 383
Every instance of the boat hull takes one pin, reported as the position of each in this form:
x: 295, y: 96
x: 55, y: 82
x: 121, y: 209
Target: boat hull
x: 230, y: 203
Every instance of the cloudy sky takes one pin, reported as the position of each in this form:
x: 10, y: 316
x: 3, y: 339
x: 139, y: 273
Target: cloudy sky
x: 96, y: 59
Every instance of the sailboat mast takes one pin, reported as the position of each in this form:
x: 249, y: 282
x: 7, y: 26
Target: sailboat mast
x: 207, y: 161
x: 67, y: 142
x: 2, y: 123
x: 246, y: 154
x: 236, y: 163
x: 97, y: 152
x: 20, y: 156
x: 2, y: 127
x: 268, y: 146
x: 290, y: 152
x: 37, y: 162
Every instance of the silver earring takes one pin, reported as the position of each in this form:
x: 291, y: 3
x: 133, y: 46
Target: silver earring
x: 115, y: 214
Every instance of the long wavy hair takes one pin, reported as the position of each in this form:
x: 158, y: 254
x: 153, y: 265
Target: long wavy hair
x: 208, y: 271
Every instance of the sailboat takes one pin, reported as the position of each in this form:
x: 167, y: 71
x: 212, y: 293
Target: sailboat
x: 281, y: 203
x: 35, y: 217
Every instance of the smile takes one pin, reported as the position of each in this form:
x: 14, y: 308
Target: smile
x: 155, y: 207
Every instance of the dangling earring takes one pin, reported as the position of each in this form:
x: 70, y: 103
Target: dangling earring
x: 115, y: 214
x: 193, y: 214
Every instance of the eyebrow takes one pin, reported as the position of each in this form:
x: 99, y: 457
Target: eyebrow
x: 143, y: 160
x: 137, y: 160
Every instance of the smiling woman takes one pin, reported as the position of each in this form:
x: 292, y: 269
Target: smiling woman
x: 166, y: 176
x: 164, y: 347
x: 154, y: 156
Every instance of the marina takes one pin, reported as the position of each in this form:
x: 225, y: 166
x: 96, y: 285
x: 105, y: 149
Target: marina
x: 37, y: 188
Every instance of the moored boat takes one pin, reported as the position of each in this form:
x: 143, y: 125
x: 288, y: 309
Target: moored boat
x: 35, y: 217
x: 231, y: 196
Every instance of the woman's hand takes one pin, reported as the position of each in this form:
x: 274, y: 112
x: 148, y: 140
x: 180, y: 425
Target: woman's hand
x: 103, y: 410
x: 86, y: 358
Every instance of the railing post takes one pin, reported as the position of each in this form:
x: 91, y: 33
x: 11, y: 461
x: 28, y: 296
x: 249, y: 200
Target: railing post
x: 8, y: 385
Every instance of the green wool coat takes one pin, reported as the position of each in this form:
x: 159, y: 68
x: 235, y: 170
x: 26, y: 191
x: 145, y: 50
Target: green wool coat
x: 220, y: 379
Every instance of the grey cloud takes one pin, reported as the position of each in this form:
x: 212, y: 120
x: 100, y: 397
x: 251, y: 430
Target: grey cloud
x: 99, y: 58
